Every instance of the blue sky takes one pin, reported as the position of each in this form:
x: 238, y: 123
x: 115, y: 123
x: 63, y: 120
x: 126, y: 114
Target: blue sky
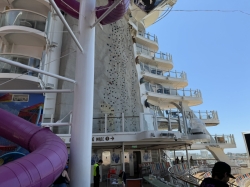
x: 213, y: 48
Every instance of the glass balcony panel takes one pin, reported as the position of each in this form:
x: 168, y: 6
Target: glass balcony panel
x: 114, y: 123
x: 148, y: 122
x: 141, y: 65
x: 99, y: 125
x: 23, y: 18
x: 147, y: 86
x: 7, y: 68
x: 131, y: 123
x: 146, y: 68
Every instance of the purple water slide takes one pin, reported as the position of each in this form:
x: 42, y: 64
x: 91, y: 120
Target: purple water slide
x: 43, y: 165
x: 71, y: 7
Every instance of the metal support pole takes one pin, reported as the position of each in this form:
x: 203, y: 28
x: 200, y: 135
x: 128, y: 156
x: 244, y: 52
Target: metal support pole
x: 106, y: 123
x: 66, y: 24
x: 184, y: 119
x: 187, y: 158
x: 160, y: 156
x: 179, y: 124
x: 123, y: 160
x: 55, y: 124
x: 123, y: 121
x: 70, y: 120
x: 169, y: 122
x: 35, y: 69
x: 81, y: 135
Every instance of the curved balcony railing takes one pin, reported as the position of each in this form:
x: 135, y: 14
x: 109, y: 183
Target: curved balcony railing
x: 148, y: 36
x: 7, y: 68
x: 157, y: 88
x: 23, y: 18
x: 206, y: 114
x: 219, y: 139
x: 145, y: 50
x: 157, y: 71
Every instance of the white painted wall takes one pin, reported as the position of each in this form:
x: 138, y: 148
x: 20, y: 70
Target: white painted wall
x: 52, y: 63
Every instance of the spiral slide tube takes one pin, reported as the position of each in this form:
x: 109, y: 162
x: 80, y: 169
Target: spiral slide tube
x: 71, y: 7
x: 43, y: 165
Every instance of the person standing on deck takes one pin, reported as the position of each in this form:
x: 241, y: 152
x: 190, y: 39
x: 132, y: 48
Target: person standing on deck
x: 221, y: 173
x: 182, y: 159
x: 96, y: 173
x: 177, y: 160
x: 191, y: 161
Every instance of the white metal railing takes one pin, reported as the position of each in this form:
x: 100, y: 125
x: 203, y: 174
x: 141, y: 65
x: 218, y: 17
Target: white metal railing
x: 206, y: 114
x: 115, y: 122
x: 148, y: 36
x: 157, y: 71
x: 29, y: 61
x: 239, y: 161
x: 183, y: 173
x: 157, y: 88
x: 220, y: 139
x: 145, y: 50
x: 26, y: 18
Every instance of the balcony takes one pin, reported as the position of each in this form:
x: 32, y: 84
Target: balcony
x: 160, y: 60
x: 22, y: 78
x: 23, y: 27
x: 158, y: 95
x: 222, y: 141
x: 39, y: 6
x: 147, y: 40
x: 113, y: 128
x: 156, y: 75
x: 210, y: 118
x: 148, y: 13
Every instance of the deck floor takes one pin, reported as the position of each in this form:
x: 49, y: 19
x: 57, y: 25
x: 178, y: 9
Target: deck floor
x: 104, y: 184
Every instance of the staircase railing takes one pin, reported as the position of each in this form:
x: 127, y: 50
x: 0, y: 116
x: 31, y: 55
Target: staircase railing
x: 186, y: 175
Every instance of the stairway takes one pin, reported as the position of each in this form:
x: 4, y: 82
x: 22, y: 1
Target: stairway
x: 219, y: 154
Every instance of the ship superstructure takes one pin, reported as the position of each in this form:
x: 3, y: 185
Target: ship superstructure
x: 141, y: 104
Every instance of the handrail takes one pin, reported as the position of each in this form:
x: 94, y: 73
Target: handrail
x: 7, y: 68
x: 187, y: 172
x: 209, y: 114
x: 147, y: 51
x: 24, y: 11
x: 148, y: 36
x: 170, y: 91
x: 154, y: 70
x: 23, y: 18
x: 19, y: 54
x: 199, y: 114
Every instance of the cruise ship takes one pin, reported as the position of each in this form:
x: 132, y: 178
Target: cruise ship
x: 86, y: 81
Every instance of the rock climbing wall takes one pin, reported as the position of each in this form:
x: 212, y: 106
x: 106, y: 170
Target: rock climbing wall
x: 116, y: 85
x: 116, y: 88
